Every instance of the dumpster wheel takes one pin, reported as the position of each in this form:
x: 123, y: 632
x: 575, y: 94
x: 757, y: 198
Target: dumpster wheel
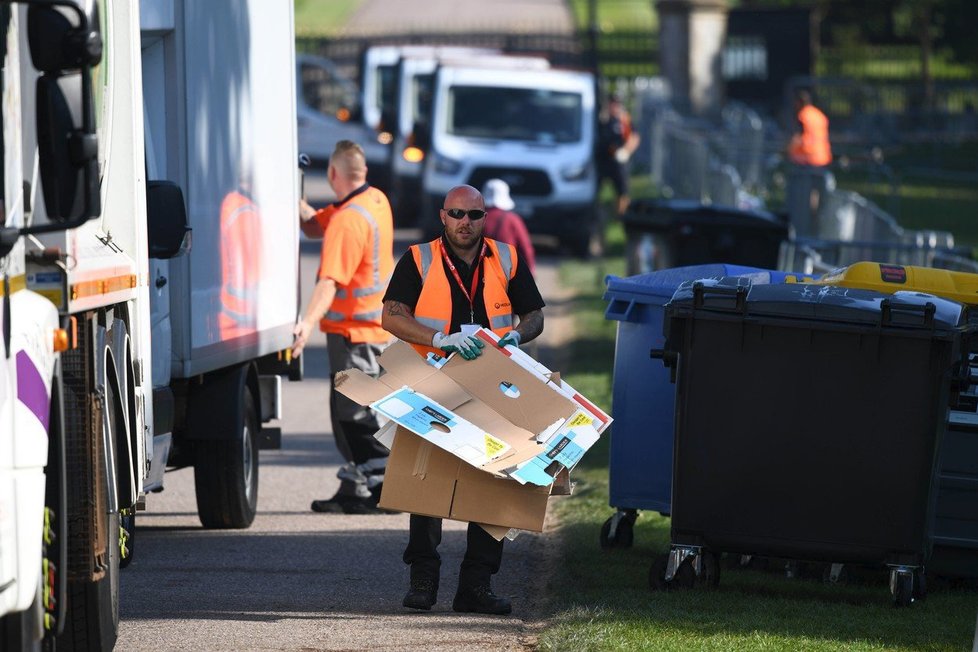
x: 907, y: 585
x: 619, y: 530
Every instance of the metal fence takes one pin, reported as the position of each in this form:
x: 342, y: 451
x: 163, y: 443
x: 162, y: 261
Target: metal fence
x: 715, y: 162
x: 846, y: 228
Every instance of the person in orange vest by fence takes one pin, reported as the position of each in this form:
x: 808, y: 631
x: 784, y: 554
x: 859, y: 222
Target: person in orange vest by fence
x: 440, y: 293
x: 810, y: 144
x: 356, y: 261
x: 241, y: 263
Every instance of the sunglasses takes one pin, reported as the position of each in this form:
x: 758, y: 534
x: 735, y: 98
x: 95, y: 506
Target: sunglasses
x: 459, y: 213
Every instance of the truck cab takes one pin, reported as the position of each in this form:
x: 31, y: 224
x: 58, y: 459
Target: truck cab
x: 534, y: 129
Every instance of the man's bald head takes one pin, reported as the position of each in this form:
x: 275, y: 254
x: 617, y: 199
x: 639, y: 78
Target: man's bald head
x: 464, y: 195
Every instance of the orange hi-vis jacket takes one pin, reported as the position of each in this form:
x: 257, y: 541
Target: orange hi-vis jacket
x: 357, y: 254
x: 240, y: 265
x: 434, y: 308
x: 812, y: 147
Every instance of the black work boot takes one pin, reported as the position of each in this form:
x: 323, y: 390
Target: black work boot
x: 332, y: 505
x: 422, y: 594
x: 480, y: 599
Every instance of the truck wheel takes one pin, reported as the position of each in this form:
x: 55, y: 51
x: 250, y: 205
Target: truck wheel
x: 226, y: 472
x: 92, y: 619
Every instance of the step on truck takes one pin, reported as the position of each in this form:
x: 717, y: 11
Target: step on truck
x: 149, y: 260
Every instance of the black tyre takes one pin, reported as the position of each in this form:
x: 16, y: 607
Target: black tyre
x: 919, y: 585
x: 903, y: 593
x: 710, y: 576
x: 657, y: 573
x: 685, y: 577
x: 226, y: 472
x: 92, y: 619
x: 624, y: 533
x: 841, y: 578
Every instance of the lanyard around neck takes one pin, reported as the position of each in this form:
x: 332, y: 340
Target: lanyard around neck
x: 475, y: 278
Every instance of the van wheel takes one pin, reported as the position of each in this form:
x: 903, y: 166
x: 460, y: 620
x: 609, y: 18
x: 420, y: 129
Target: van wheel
x: 226, y: 471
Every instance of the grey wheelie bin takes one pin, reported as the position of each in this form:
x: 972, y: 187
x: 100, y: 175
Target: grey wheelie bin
x: 660, y: 234
x: 809, y: 422
x: 643, y: 397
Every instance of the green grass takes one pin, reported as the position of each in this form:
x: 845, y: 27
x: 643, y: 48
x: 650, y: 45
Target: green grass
x: 600, y: 599
x: 618, y: 15
x: 322, y: 17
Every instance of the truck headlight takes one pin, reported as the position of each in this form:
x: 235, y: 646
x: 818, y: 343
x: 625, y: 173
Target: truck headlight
x: 577, y: 172
x: 445, y: 165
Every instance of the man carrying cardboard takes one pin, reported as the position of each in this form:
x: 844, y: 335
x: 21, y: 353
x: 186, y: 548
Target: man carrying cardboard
x: 440, y: 293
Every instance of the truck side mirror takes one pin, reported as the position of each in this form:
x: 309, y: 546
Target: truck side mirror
x: 65, y: 43
x: 68, y: 155
x: 166, y: 220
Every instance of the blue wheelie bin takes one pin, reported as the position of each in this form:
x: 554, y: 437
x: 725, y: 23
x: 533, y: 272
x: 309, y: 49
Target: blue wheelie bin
x: 643, y: 396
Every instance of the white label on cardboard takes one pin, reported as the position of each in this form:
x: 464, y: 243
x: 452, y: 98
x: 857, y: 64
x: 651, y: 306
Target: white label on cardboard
x: 563, y: 451
x: 440, y: 426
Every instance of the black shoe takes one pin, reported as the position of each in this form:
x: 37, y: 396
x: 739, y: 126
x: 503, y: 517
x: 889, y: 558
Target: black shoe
x: 363, y: 506
x: 482, y: 600
x: 421, y: 595
x: 333, y: 505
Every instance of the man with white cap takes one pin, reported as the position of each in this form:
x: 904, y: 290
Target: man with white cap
x: 503, y: 224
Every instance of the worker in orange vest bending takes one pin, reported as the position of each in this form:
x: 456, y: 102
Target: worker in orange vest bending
x: 440, y: 293
x: 356, y: 261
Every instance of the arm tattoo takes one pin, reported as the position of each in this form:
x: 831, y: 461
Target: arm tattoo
x: 530, y: 326
x: 396, y: 308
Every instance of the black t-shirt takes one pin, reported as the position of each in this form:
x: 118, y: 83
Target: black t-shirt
x: 405, y: 287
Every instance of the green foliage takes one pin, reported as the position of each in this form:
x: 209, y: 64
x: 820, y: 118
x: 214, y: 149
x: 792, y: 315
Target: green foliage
x: 322, y: 17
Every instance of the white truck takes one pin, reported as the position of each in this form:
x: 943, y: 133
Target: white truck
x: 170, y: 360
x: 534, y: 129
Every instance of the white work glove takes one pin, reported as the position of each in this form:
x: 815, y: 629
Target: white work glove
x: 621, y: 155
x: 468, y: 346
x: 511, y: 338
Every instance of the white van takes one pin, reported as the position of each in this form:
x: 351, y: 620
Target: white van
x: 414, y: 84
x: 535, y: 129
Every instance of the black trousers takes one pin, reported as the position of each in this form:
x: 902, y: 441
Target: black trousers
x: 483, y: 554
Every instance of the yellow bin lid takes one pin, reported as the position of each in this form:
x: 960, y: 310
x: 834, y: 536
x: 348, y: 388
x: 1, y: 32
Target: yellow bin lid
x: 957, y: 286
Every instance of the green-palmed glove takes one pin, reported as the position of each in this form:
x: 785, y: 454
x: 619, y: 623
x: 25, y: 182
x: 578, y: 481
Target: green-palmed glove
x: 511, y: 338
x: 467, y: 346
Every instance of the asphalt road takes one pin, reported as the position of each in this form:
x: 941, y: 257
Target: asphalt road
x: 297, y: 580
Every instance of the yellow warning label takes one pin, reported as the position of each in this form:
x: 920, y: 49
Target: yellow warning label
x: 580, y: 419
x: 493, y: 446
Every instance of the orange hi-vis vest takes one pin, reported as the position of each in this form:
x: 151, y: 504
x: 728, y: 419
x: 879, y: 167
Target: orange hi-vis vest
x: 813, y: 147
x: 240, y: 265
x: 434, y: 308
x: 356, y: 310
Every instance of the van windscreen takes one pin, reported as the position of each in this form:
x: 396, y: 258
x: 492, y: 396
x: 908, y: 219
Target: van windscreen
x: 527, y: 114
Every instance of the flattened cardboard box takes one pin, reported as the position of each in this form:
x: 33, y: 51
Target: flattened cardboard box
x: 492, y: 393
x: 490, y: 411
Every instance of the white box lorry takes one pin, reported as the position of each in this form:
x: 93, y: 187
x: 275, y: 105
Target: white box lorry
x: 169, y: 359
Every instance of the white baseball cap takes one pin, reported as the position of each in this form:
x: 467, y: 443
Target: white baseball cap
x: 496, y: 193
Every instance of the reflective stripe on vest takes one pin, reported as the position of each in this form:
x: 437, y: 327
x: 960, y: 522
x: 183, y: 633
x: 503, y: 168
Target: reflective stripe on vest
x: 358, y: 293
x: 373, y: 315
x: 425, y: 250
